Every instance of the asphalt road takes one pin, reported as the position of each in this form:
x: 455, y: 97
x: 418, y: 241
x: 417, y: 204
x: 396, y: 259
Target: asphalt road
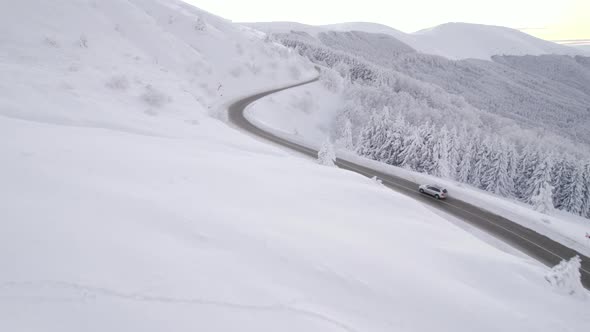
x: 526, y: 240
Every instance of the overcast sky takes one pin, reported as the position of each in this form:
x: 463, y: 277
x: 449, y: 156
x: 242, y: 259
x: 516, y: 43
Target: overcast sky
x: 548, y: 19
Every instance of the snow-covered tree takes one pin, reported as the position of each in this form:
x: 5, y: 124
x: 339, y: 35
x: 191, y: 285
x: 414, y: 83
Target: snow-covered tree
x: 345, y: 140
x: 396, y: 141
x: 442, y: 164
x: 425, y: 156
x: 373, y: 137
x: 331, y: 80
x: 572, y: 191
x: 497, y: 176
x: 586, y: 191
x: 200, y: 24
x: 543, y: 200
x: 565, y: 277
x: 540, y: 177
x: 453, y: 152
x: 326, y: 155
x: 481, y: 158
x: 512, y: 156
x: 411, y: 155
x: 465, y: 167
x: 527, y: 163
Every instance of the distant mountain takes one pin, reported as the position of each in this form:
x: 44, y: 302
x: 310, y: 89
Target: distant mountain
x: 285, y: 27
x: 463, y: 40
x: 579, y: 44
x: 367, y: 27
x: 410, y: 39
x: 450, y: 40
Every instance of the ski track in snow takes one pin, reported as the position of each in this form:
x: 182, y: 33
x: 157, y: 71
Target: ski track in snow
x: 89, y: 292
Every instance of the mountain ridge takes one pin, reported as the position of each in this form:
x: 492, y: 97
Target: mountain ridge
x: 453, y: 40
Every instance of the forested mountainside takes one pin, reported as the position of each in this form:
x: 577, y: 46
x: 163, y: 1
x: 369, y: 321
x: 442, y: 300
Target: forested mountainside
x: 549, y: 91
x: 516, y: 126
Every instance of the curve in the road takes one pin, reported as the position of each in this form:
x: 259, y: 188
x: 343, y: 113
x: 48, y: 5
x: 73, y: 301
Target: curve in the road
x: 536, y: 245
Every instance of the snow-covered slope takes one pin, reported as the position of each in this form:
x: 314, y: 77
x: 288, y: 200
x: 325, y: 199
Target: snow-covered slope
x: 463, y: 40
x: 583, y: 44
x: 150, y: 56
x: 127, y: 205
x: 450, y: 40
x: 539, y: 92
x: 367, y: 27
x: 285, y: 27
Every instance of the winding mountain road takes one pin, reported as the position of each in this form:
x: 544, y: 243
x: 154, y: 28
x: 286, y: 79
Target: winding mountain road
x: 535, y: 245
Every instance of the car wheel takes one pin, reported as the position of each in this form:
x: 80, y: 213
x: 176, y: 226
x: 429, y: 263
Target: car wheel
x: 437, y: 196
x: 421, y: 190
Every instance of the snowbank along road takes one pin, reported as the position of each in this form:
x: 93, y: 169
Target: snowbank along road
x: 528, y: 241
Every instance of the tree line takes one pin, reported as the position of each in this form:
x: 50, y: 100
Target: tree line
x: 493, y: 164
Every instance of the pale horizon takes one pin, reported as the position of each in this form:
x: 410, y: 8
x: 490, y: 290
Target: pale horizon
x: 550, y: 20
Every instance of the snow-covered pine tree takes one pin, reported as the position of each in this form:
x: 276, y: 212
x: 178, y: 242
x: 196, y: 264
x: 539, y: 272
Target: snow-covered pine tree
x: 540, y: 177
x: 480, y: 168
x: 512, y: 165
x: 543, y: 200
x: 453, y: 152
x: 326, y: 155
x: 442, y: 167
x: 586, y: 190
x: 487, y: 167
x: 425, y: 153
x: 395, y: 146
x: 386, y: 125
x: 346, y: 141
x: 374, y: 136
x: 527, y: 163
x: 366, y: 145
x: 566, y: 278
x: 561, y: 174
x: 496, y: 177
x: 465, y: 166
x: 411, y: 154
x: 572, y: 193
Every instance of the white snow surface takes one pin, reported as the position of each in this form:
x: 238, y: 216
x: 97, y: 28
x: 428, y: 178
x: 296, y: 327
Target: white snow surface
x: 127, y: 205
x: 450, y: 40
x: 285, y: 27
x: 463, y: 40
x: 305, y: 111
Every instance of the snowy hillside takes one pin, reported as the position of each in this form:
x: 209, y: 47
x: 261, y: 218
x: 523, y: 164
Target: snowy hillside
x: 129, y: 204
x: 584, y: 47
x: 463, y: 40
x: 367, y: 27
x: 307, y: 115
x: 150, y: 56
x: 450, y: 40
x: 510, y: 126
x: 539, y: 92
x: 285, y: 27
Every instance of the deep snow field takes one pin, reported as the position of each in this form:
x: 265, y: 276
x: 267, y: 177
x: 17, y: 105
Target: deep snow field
x: 129, y: 204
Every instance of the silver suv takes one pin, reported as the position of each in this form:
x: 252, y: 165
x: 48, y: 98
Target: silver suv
x: 433, y: 190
